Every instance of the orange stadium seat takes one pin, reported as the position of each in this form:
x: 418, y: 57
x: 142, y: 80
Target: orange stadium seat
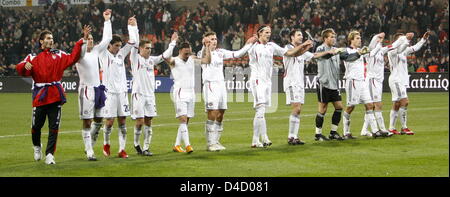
x: 433, y: 68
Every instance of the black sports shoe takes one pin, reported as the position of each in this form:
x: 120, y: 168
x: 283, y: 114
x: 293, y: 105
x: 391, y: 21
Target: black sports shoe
x: 266, y: 144
x: 298, y: 142
x: 138, y: 149
x: 386, y: 133
x: 335, y: 136
x: 382, y: 134
x: 92, y: 158
x: 377, y: 134
x: 291, y: 141
x: 349, y: 137
x: 147, y: 153
x: 320, y: 137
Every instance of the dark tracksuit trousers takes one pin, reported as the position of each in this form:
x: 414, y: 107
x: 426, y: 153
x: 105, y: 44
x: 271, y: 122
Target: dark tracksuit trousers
x: 53, y: 113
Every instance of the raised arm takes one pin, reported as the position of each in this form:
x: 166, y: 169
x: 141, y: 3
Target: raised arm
x: 299, y: 50
x: 375, y: 50
x: 236, y: 54
x: 375, y: 40
x: 400, y: 41
x: 133, y: 33
x: 418, y: 45
x: 324, y: 54
x: 375, y: 44
x: 167, y: 54
x: 350, y: 57
x: 169, y: 51
x: 402, y: 47
x: 68, y: 60
x: 107, y: 32
x: 86, y: 31
x: 206, y: 57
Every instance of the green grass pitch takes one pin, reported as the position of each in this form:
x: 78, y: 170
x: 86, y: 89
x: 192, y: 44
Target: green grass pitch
x: 425, y: 154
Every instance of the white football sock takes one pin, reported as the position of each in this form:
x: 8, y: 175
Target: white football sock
x: 218, y: 130
x: 148, y: 132
x: 122, y: 137
x: 334, y: 127
x: 86, y: 133
x: 179, y: 138
x: 403, y: 116
x: 346, y: 118
x: 380, y: 120
x: 318, y: 130
x: 107, y: 135
x: 261, y: 124
x: 256, y: 129
x: 294, y: 124
x: 393, y: 119
x: 370, y: 118
x: 365, y: 126
x: 137, y: 134
x: 209, y: 133
x: 184, y: 133
x: 95, y: 129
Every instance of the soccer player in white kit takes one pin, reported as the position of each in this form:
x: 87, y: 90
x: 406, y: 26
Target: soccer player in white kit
x: 399, y: 81
x: 91, y: 93
x: 355, y: 85
x: 183, y: 93
x: 294, y: 84
x: 143, y: 103
x: 113, y: 66
x: 261, y: 63
x: 214, y: 90
x: 375, y: 77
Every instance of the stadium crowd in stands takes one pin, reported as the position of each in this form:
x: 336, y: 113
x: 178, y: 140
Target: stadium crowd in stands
x: 233, y: 21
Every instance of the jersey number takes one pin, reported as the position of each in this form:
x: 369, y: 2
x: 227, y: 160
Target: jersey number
x: 126, y: 108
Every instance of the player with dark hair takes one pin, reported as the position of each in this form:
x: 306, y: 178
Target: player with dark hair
x: 214, y: 90
x: 114, y: 77
x: 47, y: 68
x: 293, y: 82
x: 399, y: 81
x: 261, y: 65
x: 375, y: 77
x: 91, y: 91
x: 183, y: 93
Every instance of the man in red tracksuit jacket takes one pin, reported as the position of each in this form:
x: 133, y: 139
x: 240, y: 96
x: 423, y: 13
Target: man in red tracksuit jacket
x: 47, y: 68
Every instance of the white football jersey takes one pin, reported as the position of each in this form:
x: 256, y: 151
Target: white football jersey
x: 399, y: 64
x: 354, y: 69
x: 294, y: 69
x: 113, y: 66
x: 375, y: 60
x: 183, y: 73
x: 261, y: 60
x: 88, y: 65
x: 143, y: 70
x: 214, y: 70
x: 144, y: 74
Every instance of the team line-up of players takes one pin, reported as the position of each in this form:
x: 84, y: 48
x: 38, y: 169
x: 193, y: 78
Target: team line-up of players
x: 103, y: 85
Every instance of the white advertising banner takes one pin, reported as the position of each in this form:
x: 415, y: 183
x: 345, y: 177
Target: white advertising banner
x: 22, y: 3
x: 13, y: 3
x: 79, y: 1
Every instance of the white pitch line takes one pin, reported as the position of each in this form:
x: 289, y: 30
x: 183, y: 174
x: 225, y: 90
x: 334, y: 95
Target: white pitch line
x: 162, y: 125
x: 225, y: 120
